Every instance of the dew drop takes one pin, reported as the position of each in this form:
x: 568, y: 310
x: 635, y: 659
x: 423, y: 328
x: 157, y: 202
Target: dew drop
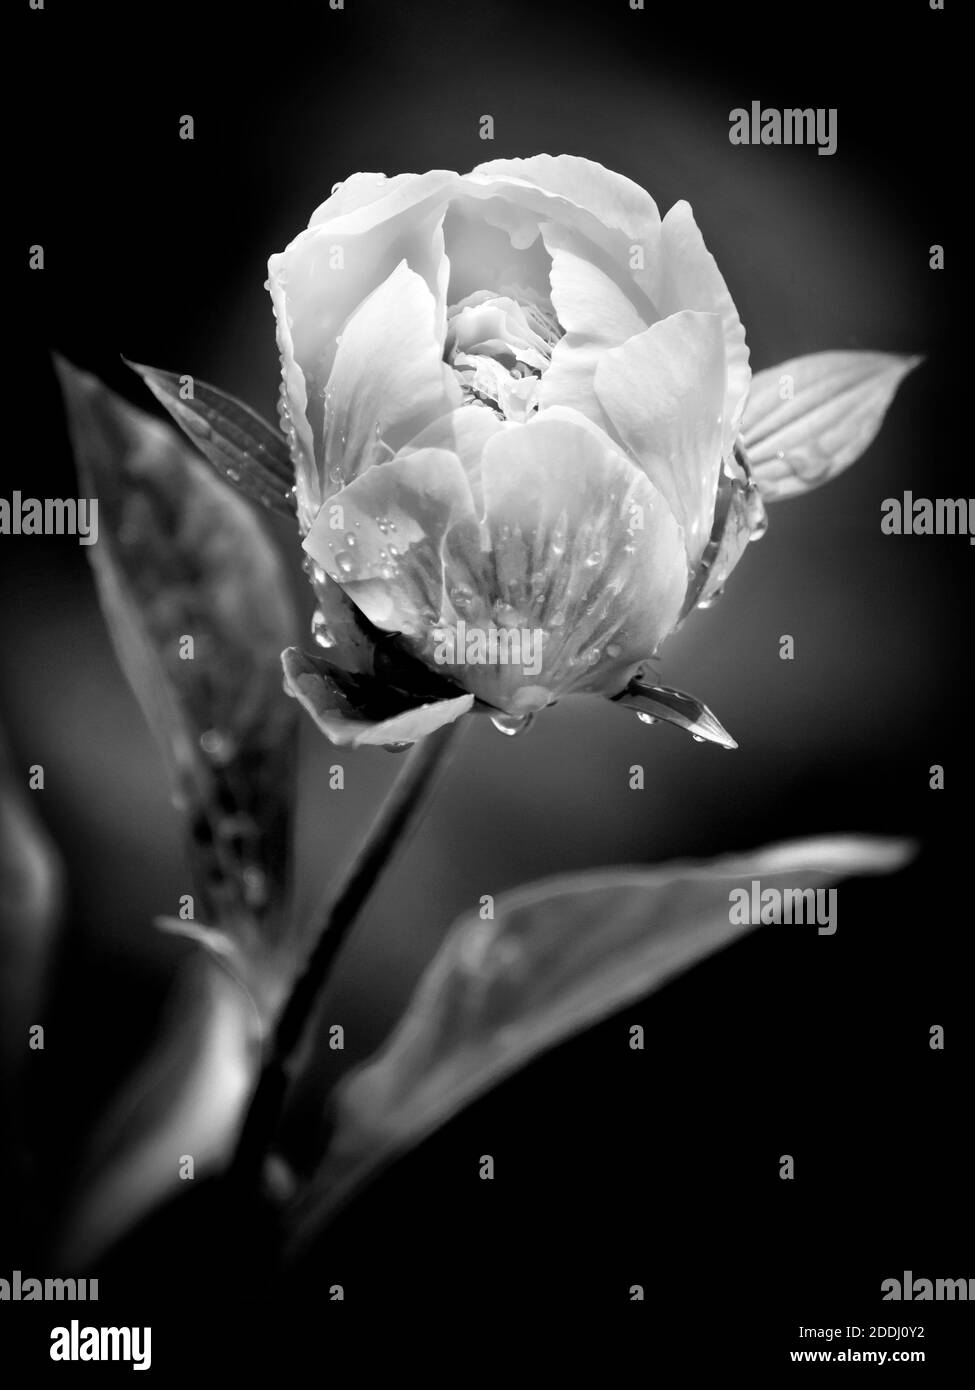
x: 646, y: 718
x: 506, y: 616
x: 319, y: 630
x: 511, y: 724
x: 698, y: 738
x: 593, y: 559
x: 345, y: 562
x: 711, y: 599
x: 218, y: 745
x: 613, y: 650
x: 349, y: 539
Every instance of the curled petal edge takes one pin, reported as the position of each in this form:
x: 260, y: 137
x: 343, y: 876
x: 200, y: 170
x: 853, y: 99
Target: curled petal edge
x: 308, y: 681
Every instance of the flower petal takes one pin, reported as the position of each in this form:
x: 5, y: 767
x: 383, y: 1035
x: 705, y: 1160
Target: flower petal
x: 663, y: 392
x: 325, y: 274
x: 688, y: 278
x: 614, y: 200
x: 386, y: 551
x: 308, y: 681
x: 464, y: 432
x: 559, y: 502
x: 389, y: 379
x: 598, y: 311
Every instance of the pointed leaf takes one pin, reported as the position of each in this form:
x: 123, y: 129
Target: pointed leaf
x: 558, y: 956
x: 243, y: 448
x: 836, y: 402
x: 180, y: 557
x: 675, y: 707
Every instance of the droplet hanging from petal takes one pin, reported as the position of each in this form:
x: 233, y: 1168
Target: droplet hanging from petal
x: 511, y: 724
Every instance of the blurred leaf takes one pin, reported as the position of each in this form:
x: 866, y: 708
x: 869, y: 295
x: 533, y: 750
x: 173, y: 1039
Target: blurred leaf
x: 185, y: 1099
x: 558, y: 956
x: 180, y: 556
x: 837, y: 404
x: 31, y: 882
x: 243, y: 448
x: 675, y: 707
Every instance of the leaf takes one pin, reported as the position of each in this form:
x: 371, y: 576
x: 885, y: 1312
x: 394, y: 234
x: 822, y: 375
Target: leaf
x: 179, y: 556
x: 676, y: 707
x: 837, y: 404
x: 186, y: 1098
x: 243, y: 448
x: 558, y: 956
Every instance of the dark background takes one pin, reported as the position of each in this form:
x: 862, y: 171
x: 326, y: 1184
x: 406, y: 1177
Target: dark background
x: 615, y: 1167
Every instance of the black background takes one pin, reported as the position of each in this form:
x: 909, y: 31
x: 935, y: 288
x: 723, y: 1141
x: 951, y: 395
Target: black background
x: 614, y: 1167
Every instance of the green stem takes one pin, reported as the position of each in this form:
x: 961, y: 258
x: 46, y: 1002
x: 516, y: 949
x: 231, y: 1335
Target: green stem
x: 330, y: 927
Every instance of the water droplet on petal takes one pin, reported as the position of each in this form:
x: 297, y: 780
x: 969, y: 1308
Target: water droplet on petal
x: 345, y: 562
x: 511, y: 724
x: 698, y: 738
x: 349, y: 539
x: 593, y: 558
x: 320, y: 632
x: 613, y: 650
x: 646, y: 718
x: 711, y: 599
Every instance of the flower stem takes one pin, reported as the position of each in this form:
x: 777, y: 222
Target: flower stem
x: 330, y: 927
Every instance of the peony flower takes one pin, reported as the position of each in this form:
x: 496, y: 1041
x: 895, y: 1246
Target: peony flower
x: 512, y: 399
